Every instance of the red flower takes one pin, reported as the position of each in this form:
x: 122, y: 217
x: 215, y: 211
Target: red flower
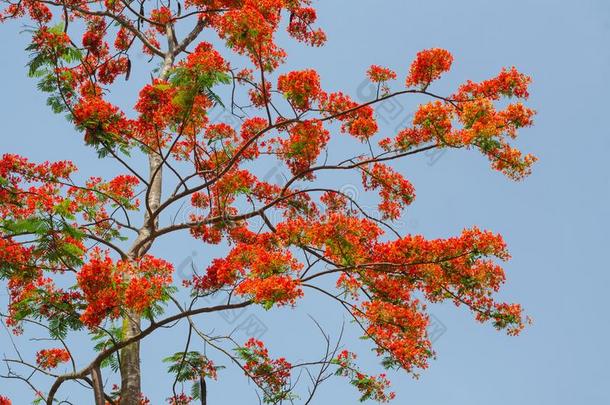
x: 101, y: 121
x: 378, y: 74
x: 51, y: 358
x: 111, y: 287
x: 428, y: 66
x: 180, y: 399
x: 508, y: 83
x: 271, y: 374
x: 205, y: 59
x: 395, y: 191
x: 301, y: 88
x: 300, y: 26
x: 161, y: 16
x: 358, y: 120
x: 307, y: 139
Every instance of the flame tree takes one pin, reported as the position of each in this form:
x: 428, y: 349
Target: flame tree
x: 78, y: 258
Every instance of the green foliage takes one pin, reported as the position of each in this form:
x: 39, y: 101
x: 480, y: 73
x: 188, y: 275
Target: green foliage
x: 46, y: 64
x: 191, y: 366
x: 157, y: 308
x: 105, y: 339
x: 192, y: 83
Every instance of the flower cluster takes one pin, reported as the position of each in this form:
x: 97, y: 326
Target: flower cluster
x: 508, y: 83
x: 379, y: 74
x: 271, y: 375
x: 51, y: 358
x: 370, y: 387
x: 300, y: 26
x: 307, y: 139
x: 249, y: 29
x: 250, y: 26
x: 358, y: 120
x: 102, y: 122
x: 161, y: 16
x: 50, y: 41
x: 99, y: 283
x: 260, y: 270
x: 157, y: 110
x: 110, y: 287
x: 301, y: 88
x: 395, y: 191
x: 37, y: 11
x: 180, y: 399
x: 428, y: 66
x: 205, y: 59
x: 470, y: 118
x: 345, y: 239
x: 400, y: 332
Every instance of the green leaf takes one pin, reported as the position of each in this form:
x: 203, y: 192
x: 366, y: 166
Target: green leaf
x: 28, y: 226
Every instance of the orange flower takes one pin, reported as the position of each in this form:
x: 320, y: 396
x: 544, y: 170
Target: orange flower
x: 428, y: 66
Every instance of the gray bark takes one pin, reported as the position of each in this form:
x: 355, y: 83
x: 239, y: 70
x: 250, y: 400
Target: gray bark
x: 131, y: 385
x: 131, y: 378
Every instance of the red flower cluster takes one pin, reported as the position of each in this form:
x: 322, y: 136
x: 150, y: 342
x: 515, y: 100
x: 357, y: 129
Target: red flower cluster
x: 123, y: 39
x: 109, y: 288
x: 99, y: 283
x: 300, y: 26
x: 358, y: 120
x: 481, y: 125
x: 301, y: 88
x: 36, y: 10
x: 508, y: 83
x: 370, y: 387
x: 51, y: 358
x: 250, y: 132
x: 272, y: 375
x: 249, y: 29
x: 345, y: 239
x: 379, y: 74
x: 180, y: 399
x: 161, y: 16
x: 49, y: 41
x: 4, y: 400
x: 275, y: 289
x: 400, y: 330
x: 428, y: 66
x: 396, y: 192
x: 259, y: 269
x: 300, y: 151
x: 157, y: 110
x: 205, y: 59
x: 101, y: 121
x: 93, y: 38
x: 121, y: 187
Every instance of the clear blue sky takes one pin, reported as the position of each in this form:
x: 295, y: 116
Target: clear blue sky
x: 556, y: 222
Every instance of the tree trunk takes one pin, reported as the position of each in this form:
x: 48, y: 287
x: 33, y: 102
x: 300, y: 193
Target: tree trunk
x: 131, y: 386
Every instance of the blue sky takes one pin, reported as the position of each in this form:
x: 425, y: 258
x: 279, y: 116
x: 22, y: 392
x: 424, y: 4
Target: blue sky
x: 555, y: 222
